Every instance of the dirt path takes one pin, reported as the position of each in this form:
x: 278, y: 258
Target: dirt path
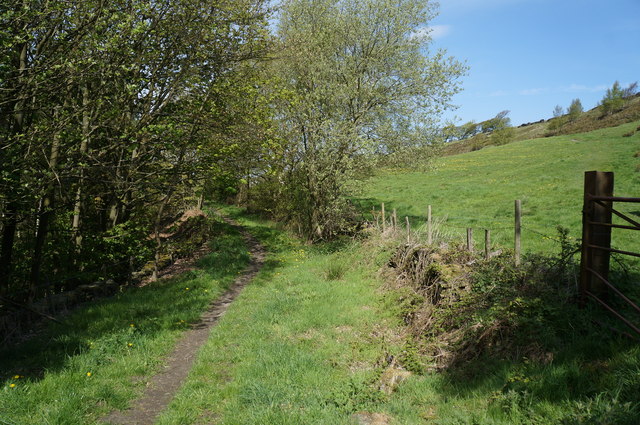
x: 162, y: 387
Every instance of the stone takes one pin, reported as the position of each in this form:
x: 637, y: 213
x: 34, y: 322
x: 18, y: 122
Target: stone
x: 391, y: 378
x: 367, y: 418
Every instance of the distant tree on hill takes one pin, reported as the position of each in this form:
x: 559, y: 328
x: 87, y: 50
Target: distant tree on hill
x: 631, y: 90
x: 500, y: 121
x: 575, y: 110
x: 558, y: 111
x: 616, y: 97
x: 469, y: 129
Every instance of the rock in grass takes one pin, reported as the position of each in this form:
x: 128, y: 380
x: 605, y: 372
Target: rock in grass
x: 367, y: 418
x: 391, y: 378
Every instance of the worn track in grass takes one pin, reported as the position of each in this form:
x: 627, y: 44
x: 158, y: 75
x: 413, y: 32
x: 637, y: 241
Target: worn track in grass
x: 162, y: 388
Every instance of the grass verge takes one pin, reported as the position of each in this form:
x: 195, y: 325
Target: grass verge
x: 101, y: 356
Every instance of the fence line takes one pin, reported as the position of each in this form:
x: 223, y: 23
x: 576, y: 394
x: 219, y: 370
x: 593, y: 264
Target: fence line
x: 485, y: 223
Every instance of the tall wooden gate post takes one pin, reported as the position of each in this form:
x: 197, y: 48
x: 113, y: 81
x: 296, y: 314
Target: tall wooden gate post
x: 596, y: 216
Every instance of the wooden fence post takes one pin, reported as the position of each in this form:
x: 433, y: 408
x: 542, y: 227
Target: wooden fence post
x: 406, y: 219
x: 469, y: 239
x: 596, y: 233
x: 487, y: 243
x: 384, y: 219
x: 429, y: 228
x: 394, y: 219
x: 518, y: 230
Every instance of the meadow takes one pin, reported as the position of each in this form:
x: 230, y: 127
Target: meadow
x: 478, y: 189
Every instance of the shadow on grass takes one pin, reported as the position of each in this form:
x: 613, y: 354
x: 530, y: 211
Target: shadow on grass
x: 587, y: 371
x: 153, y: 311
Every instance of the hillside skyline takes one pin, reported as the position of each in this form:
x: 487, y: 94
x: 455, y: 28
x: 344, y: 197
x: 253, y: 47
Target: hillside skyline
x: 527, y: 56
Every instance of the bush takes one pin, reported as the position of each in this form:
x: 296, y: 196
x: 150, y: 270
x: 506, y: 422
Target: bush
x: 503, y: 136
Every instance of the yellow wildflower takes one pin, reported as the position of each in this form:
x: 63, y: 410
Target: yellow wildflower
x: 12, y: 385
x: 88, y: 373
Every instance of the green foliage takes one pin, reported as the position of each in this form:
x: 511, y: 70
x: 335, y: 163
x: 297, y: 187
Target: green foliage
x: 575, y: 110
x: 503, y: 136
x: 511, y: 344
x: 369, y: 89
x: 356, y: 396
x: 616, y: 97
x: 499, y: 122
x: 133, y: 111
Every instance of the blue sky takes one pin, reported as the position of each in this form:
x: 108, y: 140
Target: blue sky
x: 528, y: 56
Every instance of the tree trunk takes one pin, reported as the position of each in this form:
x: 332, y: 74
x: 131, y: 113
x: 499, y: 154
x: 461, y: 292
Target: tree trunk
x: 84, y: 146
x: 10, y: 222
x: 156, y: 234
x: 46, y: 215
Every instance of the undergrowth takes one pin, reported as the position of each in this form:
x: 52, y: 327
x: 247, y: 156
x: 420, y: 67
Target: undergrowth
x: 509, y: 343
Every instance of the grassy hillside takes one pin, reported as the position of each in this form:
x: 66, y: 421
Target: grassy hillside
x: 588, y: 121
x: 478, y: 189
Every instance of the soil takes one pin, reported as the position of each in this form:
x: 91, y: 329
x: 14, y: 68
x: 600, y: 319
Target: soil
x: 162, y: 387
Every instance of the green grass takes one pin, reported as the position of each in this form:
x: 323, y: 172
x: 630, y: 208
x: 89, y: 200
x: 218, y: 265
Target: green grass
x: 299, y: 345
x: 478, y: 189
x: 99, y: 359
x: 306, y: 342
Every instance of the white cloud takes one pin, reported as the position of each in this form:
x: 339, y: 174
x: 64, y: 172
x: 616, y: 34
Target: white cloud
x: 532, y: 92
x: 573, y: 88
x: 439, y: 31
x: 433, y: 31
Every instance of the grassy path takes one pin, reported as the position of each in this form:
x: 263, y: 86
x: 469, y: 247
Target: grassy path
x: 103, y: 354
x: 163, y: 386
x: 305, y: 343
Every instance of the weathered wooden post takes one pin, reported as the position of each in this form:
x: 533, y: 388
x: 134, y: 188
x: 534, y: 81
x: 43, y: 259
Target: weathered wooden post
x: 394, y: 219
x: 429, y: 228
x: 596, y: 234
x: 406, y: 219
x: 487, y: 243
x: 384, y: 219
x: 518, y: 230
x: 469, y: 239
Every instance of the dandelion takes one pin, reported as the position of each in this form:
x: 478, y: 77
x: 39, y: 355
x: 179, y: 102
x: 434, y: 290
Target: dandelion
x: 12, y: 385
x: 17, y: 377
x: 129, y: 344
x: 132, y: 325
x: 88, y: 373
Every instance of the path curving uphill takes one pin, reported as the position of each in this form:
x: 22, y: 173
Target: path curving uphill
x: 162, y: 388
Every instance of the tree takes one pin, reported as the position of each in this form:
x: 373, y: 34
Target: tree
x: 357, y: 80
x: 110, y: 118
x: 575, y: 110
x: 500, y: 121
x: 558, y: 111
x: 616, y: 97
x: 469, y: 129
